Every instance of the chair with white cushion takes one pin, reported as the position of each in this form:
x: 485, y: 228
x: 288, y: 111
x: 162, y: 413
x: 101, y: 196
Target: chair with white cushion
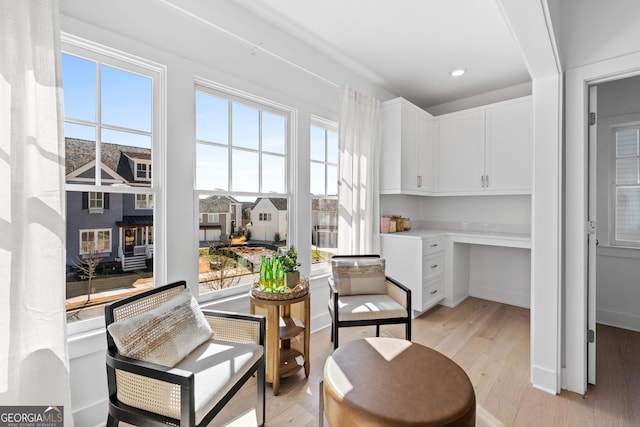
x: 361, y: 294
x: 168, y: 362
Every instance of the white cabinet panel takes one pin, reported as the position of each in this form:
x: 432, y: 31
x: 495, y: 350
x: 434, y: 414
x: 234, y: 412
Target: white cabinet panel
x: 461, y: 152
x: 406, y: 158
x: 486, y: 150
x: 418, y: 264
x: 509, y: 143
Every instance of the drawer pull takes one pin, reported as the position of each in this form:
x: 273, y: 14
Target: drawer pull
x: 434, y: 245
x: 434, y: 266
x: 435, y: 291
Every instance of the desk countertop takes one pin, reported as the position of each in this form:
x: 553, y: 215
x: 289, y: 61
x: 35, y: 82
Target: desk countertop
x: 498, y: 238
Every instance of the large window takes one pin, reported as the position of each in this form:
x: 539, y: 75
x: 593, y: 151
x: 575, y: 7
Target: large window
x: 626, y: 187
x: 241, y: 177
x: 110, y: 129
x: 324, y: 192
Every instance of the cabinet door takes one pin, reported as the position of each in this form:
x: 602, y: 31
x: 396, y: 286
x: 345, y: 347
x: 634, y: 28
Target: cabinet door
x: 424, y: 154
x: 509, y: 143
x: 409, y: 171
x: 461, y: 152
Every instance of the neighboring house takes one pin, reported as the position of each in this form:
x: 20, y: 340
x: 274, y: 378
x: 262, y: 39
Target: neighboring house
x: 268, y: 217
x: 324, y: 223
x: 219, y: 217
x: 118, y: 226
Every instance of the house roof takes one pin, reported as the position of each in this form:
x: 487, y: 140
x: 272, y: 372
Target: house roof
x: 216, y: 204
x: 81, y: 152
x: 135, y: 220
x: 324, y: 205
x: 280, y: 203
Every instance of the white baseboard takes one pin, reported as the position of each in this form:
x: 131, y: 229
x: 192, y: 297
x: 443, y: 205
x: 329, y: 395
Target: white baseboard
x: 545, y: 380
x: 500, y: 295
x: 619, y: 320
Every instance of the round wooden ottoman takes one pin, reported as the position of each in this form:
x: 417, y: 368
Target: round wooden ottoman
x: 390, y: 382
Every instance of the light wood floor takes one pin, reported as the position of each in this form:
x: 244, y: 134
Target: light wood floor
x: 490, y: 341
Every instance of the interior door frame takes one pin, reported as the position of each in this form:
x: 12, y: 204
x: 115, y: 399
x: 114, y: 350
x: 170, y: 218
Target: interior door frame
x: 574, y: 374
x: 592, y: 239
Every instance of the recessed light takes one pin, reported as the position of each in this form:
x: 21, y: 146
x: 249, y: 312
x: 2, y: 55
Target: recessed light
x: 458, y: 73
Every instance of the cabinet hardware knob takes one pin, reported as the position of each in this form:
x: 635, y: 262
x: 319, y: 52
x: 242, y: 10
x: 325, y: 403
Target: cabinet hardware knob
x: 434, y: 266
x: 435, y: 291
x: 434, y: 245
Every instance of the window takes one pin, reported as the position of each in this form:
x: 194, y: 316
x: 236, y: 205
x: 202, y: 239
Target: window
x: 144, y: 201
x: 241, y: 174
x: 143, y: 171
x: 626, y: 187
x: 95, y: 241
x: 110, y: 126
x: 324, y: 192
x: 96, y: 200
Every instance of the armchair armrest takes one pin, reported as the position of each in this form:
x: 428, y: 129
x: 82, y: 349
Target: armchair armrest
x: 237, y: 327
x: 144, y: 384
x: 399, y: 292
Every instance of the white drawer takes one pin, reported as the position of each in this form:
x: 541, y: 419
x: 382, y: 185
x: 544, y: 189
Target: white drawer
x: 432, y: 266
x: 432, y: 293
x: 432, y: 246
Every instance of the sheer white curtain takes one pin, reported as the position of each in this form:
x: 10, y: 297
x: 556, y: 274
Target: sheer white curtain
x: 34, y: 361
x: 358, y: 175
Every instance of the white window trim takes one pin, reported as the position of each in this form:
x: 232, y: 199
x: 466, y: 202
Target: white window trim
x: 614, y: 186
x: 291, y: 158
x: 147, y: 170
x: 93, y: 51
x: 324, y: 268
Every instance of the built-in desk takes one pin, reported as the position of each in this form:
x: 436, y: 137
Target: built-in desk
x: 489, y: 265
x: 499, y: 271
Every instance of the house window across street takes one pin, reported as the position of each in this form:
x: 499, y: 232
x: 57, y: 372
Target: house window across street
x: 95, y: 241
x: 144, y: 201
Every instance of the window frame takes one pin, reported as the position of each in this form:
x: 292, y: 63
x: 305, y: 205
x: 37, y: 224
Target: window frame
x: 290, y: 158
x: 322, y: 268
x: 95, y: 52
x: 148, y: 201
x: 614, y: 187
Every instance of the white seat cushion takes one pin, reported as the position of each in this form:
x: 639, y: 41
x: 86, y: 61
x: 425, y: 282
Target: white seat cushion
x: 368, y: 307
x: 217, y: 366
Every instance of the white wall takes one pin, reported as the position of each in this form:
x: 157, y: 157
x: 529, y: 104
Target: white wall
x: 191, y: 46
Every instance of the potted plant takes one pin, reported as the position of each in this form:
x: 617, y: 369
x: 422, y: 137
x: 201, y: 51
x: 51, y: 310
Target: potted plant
x: 289, y: 261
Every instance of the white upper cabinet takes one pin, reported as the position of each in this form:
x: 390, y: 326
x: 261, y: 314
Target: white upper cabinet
x: 486, y: 150
x: 508, y: 149
x: 406, y: 155
x: 461, y: 152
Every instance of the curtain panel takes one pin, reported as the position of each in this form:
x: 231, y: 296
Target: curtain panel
x: 358, y: 173
x: 34, y: 361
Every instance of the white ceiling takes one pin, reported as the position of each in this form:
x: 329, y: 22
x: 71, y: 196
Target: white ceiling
x: 408, y: 46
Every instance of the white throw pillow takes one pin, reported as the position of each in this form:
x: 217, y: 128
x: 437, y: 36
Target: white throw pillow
x: 164, y: 335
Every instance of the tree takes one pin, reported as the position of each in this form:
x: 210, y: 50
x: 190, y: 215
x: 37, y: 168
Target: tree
x: 87, y: 268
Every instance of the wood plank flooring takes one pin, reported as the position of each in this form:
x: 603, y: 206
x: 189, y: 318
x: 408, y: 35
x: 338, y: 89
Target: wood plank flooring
x: 491, y: 342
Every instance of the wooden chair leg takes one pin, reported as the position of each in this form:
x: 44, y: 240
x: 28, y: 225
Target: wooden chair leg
x: 335, y: 334
x: 377, y: 330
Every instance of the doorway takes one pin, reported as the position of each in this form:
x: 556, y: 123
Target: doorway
x: 614, y: 213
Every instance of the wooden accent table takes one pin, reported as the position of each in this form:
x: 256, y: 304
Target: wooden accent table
x: 287, y: 320
x: 389, y: 382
